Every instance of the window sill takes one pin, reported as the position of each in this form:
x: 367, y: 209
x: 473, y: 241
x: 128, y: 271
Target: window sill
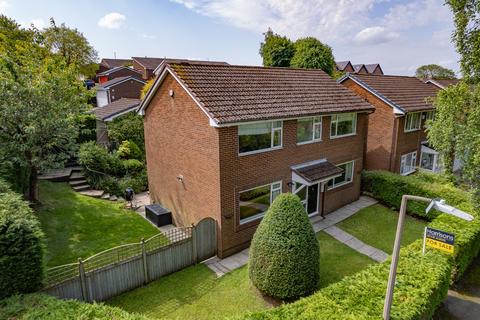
x: 408, y: 173
x: 413, y: 130
x: 343, y: 136
x: 308, y: 142
x: 259, y: 151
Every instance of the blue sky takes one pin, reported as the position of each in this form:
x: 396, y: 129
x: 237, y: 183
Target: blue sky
x: 400, y: 35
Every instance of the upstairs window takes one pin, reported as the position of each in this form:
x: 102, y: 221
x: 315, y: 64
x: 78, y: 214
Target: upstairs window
x: 343, y: 124
x: 346, y: 177
x: 259, y: 136
x: 309, y: 129
x: 429, y: 115
x: 413, y: 121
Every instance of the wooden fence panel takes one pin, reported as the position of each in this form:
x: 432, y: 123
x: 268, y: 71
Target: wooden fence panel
x: 70, y: 289
x: 113, y: 280
x: 170, y: 259
x: 206, y: 239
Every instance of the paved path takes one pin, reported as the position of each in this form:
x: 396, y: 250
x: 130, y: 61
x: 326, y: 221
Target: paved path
x: 237, y: 260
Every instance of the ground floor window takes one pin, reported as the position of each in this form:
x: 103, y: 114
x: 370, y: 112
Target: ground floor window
x: 408, y: 162
x: 346, y: 177
x: 256, y: 201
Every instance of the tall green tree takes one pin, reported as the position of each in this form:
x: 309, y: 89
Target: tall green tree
x: 40, y: 98
x: 72, y: 45
x: 276, y: 51
x: 434, y: 71
x: 467, y: 36
x: 310, y: 53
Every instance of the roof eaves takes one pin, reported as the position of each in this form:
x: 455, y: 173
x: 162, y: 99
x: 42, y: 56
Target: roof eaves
x: 392, y: 104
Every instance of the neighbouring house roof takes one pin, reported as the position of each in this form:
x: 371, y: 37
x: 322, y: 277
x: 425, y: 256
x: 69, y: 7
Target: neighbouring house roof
x: 112, y: 63
x: 372, y: 67
x: 116, y: 108
x: 406, y: 94
x: 358, y: 67
x: 443, y: 83
x: 177, y: 61
x: 341, y: 65
x: 148, y: 63
x: 112, y: 70
x: 115, y: 81
x: 317, y: 171
x: 230, y: 94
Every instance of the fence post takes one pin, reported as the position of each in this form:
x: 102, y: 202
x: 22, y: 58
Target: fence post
x: 144, y: 260
x: 83, y: 280
x: 194, y: 244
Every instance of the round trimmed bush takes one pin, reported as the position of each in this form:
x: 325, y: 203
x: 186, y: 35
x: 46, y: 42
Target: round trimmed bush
x: 129, y: 150
x: 284, y: 254
x: 21, y: 246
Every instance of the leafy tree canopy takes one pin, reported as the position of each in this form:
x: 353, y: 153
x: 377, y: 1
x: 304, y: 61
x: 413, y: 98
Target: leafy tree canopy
x: 434, y: 71
x: 127, y: 127
x: 467, y: 36
x: 310, y: 53
x: 72, y: 45
x: 276, y: 51
x: 40, y: 97
x: 146, y: 87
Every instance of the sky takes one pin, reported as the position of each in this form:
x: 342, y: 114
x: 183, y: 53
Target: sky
x: 399, y: 34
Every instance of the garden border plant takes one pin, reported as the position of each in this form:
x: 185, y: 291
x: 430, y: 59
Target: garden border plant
x: 422, y: 281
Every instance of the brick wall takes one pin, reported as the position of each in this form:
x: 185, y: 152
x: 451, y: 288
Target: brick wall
x: 127, y: 89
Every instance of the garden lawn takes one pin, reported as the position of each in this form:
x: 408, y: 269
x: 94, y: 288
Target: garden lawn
x: 196, y: 293
x: 79, y: 226
x: 377, y: 224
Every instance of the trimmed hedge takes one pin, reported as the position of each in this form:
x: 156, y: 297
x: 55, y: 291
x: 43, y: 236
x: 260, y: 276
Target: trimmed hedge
x: 42, y: 307
x: 284, y: 255
x: 21, y: 245
x: 422, y: 281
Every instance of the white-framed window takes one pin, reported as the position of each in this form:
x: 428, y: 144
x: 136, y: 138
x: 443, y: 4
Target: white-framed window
x: 429, y: 115
x: 408, y: 162
x: 255, y: 202
x: 413, y: 121
x: 259, y: 136
x: 309, y: 130
x: 343, y: 124
x: 346, y: 177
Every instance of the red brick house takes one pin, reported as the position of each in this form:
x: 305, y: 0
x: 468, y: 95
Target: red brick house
x: 146, y: 66
x: 397, y: 140
x: 117, y: 72
x: 117, y: 88
x: 107, y: 64
x: 344, y: 66
x: 223, y: 141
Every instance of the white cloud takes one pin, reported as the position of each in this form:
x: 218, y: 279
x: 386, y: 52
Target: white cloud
x: 417, y: 13
x: 113, y: 20
x: 3, y: 6
x: 148, y: 36
x: 375, y: 35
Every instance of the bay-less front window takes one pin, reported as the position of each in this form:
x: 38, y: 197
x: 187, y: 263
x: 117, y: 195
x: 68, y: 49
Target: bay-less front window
x: 255, y: 202
x: 343, y: 124
x: 346, y: 177
x: 309, y: 129
x: 413, y: 121
x: 408, y: 162
x: 259, y: 136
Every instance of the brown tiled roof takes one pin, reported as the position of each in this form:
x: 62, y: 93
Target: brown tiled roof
x: 115, y: 108
x: 109, y: 71
x: 112, y: 63
x: 149, y: 62
x: 232, y: 94
x: 318, y: 171
x: 371, y: 67
x: 115, y: 81
x: 341, y: 65
x: 443, y: 83
x: 406, y: 93
x: 358, y: 67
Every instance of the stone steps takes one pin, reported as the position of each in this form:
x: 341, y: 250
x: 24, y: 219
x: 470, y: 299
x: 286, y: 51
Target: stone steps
x: 92, y: 193
x: 81, y: 187
x: 76, y: 183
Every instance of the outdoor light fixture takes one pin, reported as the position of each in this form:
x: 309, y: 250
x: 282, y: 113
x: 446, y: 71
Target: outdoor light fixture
x: 438, y: 204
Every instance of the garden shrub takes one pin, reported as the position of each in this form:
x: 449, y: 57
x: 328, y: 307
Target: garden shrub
x: 133, y: 166
x: 138, y: 183
x: 129, y: 150
x: 284, y: 255
x: 97, y: 161
x: 110, y: 185
x: 21, y: 245
x: 422, y: 281
x: 127, y: 127
x: 42, y: 307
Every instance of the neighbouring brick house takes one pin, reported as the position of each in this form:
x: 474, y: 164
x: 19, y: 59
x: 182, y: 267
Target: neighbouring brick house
x: 107, y: 64
x: 117, y: 72
x: 443, y: 83
x: 347, y: 66
x: 223, y: 141
x: 117, y: 88
x: 397, y: 140
x: 146, y: 66
x: 344, y: 66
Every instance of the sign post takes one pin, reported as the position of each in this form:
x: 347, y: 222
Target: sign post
x: 439, y: 240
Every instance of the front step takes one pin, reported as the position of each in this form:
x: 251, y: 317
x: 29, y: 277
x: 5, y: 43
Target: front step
x: 92, y: 193
x: 77, y: 175
x: 76, y: 183
x: 106, y: 196
x: 81, y: 187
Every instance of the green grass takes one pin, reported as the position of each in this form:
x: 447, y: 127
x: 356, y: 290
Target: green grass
x: 79, y: 226
x: 376, y: 226
x: 196, y: 293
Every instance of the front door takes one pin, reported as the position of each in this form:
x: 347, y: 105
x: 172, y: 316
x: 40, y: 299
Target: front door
x: 308, y: 196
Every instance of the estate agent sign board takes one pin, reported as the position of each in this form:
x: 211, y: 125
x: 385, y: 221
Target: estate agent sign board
x: 439, y: 240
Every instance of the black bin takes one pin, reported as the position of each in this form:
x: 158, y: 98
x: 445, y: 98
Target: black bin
x: 158, y: 215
